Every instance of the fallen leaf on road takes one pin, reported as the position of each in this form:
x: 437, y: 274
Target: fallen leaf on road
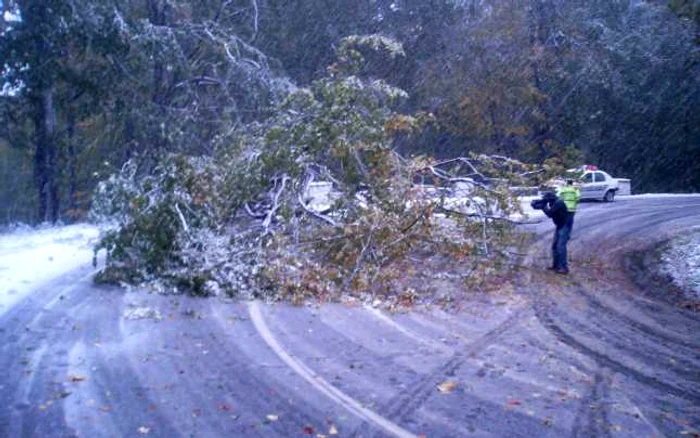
x: 272, y: 417
x: 144, y: 430
x: 308, y: 430
x: 75, y: 378
x: 446, y: 387
x: 512, y: 404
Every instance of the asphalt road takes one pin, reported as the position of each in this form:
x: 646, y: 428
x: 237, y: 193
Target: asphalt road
x: 588, y: 355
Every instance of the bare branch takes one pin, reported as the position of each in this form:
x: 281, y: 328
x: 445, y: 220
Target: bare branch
x: 200, y: 80
x: 484, y: 236
x: 182, y: 219
x: 481, y: 216
x: 447, y: 177
x: 460, y: 160
x: 360, y: 258
x: 315, y: 214
x: 251, y: 213
x: 534, y: 172
x: 275, y: 204
x: 255, y: 20
x: 324, y: 172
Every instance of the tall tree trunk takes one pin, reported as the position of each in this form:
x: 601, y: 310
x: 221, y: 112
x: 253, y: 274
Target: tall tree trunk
x: 45, y: 163
x: 157, y: 16
x: 72, y: 183
x: 541, y: 21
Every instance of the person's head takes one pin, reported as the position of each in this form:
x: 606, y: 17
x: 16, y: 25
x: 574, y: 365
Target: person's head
x: 549, y: 196
x: 569, y: 182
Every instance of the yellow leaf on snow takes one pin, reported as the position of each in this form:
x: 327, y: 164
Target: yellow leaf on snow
x: 272, y: 417
x: 332, y: 430
x: 447, y: 387
x: 144, y: 430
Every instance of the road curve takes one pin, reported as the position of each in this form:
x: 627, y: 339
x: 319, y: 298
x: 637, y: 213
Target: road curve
x: 588, y: 355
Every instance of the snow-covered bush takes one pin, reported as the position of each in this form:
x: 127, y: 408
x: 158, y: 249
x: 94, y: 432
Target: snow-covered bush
x: 161, y: 218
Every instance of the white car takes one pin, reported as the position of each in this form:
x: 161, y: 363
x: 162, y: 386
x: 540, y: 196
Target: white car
x: 596, y: 184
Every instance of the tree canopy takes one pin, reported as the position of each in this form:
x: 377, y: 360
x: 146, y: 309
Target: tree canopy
x: 90, y: 85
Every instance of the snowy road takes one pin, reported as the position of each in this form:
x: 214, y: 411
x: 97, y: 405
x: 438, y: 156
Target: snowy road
x: 589, y: 355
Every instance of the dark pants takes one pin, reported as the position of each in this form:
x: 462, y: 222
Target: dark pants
x: 561, y: 238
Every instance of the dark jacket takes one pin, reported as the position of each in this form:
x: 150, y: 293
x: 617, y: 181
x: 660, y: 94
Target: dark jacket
x: 557, y: 211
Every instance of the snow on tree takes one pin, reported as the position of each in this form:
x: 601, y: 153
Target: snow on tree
x: 243, y: 221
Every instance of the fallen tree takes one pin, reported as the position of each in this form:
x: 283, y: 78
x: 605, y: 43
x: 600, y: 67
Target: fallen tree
x: 244, y: 221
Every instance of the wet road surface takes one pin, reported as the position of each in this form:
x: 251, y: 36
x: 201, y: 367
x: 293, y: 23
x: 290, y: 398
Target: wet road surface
x: 587, y: 355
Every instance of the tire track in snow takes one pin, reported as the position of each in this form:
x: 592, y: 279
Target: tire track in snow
x: 319, y: 382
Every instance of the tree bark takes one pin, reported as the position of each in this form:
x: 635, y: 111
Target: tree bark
x: 157, y: 12
x: 72, y: 180
x: 45, y: 156
x: 541, y: 20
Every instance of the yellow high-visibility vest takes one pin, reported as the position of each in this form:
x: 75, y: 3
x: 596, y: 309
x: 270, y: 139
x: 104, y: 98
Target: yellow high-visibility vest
x: 570, y: 195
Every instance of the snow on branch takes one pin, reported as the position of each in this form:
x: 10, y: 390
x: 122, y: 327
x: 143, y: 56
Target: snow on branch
x: 275, y: 204
x: 182, y: 219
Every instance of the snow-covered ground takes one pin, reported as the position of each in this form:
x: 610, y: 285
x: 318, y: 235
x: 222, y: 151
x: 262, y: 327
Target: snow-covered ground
x: 681, y: 260
x: 29, y: 257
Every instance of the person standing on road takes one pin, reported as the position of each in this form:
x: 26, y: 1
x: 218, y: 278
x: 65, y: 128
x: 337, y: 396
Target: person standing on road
x: 562, y: 209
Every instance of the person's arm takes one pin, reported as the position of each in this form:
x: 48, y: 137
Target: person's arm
x: 551, y: 208
x: 547, y: 210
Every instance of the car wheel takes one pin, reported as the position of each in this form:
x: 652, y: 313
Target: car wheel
x: 609, y: 196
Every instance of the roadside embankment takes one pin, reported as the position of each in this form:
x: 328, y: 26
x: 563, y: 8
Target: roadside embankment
x: 670, y: 270
x: 680, y: 260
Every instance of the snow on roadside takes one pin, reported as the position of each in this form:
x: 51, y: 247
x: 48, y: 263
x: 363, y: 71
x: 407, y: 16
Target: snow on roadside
x: 29, y: 257
x: 681, y: 260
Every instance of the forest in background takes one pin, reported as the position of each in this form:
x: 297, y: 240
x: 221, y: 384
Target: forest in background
x: 89, y: 85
